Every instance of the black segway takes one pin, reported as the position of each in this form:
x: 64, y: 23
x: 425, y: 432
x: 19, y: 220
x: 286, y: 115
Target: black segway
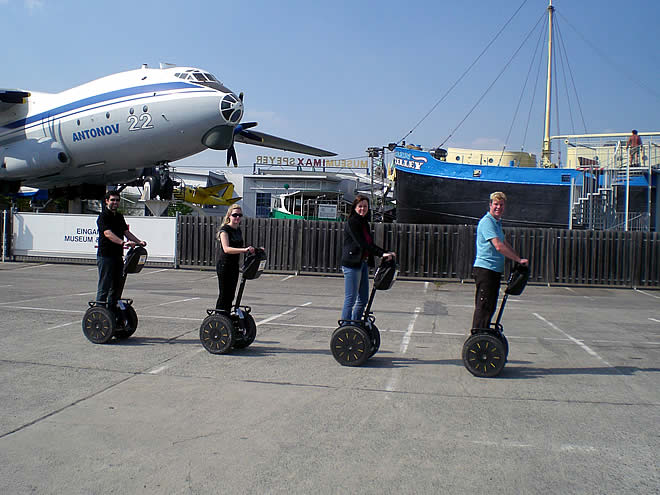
x: 100, y: 322
x: 485, y: 351
x: 355, y: 341
x: 222, y: 330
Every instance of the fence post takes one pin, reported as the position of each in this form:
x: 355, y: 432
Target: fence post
x: 299, y: 245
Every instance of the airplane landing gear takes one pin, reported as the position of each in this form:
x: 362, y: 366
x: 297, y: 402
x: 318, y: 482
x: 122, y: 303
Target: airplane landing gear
x: 158, y: 183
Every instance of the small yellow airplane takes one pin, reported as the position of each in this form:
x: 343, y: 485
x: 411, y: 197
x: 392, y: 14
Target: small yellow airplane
x: 217, y: 195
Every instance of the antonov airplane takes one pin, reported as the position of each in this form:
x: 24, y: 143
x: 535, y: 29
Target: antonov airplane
x: 122, y: 129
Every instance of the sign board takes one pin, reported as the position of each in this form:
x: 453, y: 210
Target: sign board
x: 76, y: 236
x: 301, y: 163
x: 328, y: 211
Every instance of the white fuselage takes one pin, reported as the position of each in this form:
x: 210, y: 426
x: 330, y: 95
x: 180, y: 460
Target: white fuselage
x: 110, y: 129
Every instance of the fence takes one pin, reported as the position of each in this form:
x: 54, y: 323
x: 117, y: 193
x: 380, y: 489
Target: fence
x: 612, y: 258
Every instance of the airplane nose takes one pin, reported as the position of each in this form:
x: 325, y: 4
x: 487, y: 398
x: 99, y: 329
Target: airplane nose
x: 231, y: 108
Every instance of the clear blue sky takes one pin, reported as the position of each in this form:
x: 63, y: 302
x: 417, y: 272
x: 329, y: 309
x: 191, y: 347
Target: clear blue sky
x: 346, y: 75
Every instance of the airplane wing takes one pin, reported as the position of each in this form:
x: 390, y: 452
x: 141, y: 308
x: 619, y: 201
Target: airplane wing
x: 268, y: 141
x: 214, y: 190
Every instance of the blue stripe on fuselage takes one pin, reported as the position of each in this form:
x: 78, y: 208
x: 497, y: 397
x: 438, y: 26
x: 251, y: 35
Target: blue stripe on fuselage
x: 112, y: 95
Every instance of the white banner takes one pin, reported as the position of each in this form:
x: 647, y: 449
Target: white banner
x: 76, y: 236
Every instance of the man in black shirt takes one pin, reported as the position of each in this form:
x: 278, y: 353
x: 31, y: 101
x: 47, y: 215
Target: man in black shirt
x: 109, y: 257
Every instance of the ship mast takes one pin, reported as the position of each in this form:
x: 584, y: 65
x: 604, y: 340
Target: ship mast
x: 545, y: 155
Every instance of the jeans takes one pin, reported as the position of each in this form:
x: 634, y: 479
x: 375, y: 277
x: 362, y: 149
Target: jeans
x: 111, y: 272
x: 356, y: 291
x: 485, y: 299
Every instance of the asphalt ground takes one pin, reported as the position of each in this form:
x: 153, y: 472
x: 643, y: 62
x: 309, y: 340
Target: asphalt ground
x: 576, y: 409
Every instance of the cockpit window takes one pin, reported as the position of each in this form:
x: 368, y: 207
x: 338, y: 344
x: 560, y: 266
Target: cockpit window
x: 203, y: 79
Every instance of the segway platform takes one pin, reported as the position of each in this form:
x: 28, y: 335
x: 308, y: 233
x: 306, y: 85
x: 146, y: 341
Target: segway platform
x: 486, y: 350
x: 221, y: 331
x: 355, y: 341
x: 101, y: 323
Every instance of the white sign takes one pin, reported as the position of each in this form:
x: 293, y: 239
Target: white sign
x: 76, y: 236
x: 328, y: 211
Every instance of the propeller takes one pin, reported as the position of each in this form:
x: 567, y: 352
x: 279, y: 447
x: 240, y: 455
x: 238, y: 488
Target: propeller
x: 241, y: 129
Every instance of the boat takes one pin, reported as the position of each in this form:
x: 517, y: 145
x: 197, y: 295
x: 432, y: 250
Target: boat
x: 310, y: 205
x: 596, y: 187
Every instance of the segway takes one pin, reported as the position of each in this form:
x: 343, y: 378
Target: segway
x: 223, y: 330
x: 485, y: 352
x: 100, y: 322
x: 355, y: 341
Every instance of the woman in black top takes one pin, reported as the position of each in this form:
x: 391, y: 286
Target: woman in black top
x: 231, y: 246
x: 357, y: 256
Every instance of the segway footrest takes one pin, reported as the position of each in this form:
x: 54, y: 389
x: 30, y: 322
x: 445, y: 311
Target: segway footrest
x: 216, y: 311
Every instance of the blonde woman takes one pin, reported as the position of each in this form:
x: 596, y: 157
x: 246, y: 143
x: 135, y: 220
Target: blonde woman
x: 231, y: 247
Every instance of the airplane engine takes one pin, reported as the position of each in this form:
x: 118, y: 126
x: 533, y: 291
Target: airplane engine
x: 31, y: 159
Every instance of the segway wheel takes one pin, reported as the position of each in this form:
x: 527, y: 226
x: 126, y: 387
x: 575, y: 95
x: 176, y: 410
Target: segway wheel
x: 484, y: 355
x: 505, y: 343
x: 217, y: 333
x: 350, y: 345
x: 243, y: 341
x: 375, y: 340
x: 98, y: 324
x: 132, y: 317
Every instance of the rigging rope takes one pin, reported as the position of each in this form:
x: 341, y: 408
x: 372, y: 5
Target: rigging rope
x: 570, y: 71
x: 536, y: 84
x: 522, y: 93
x: 604, y: 57
x: 464, y: 73
x: 496, y: 79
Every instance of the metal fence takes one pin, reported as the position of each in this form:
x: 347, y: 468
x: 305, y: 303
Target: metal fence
x: 611, y: 258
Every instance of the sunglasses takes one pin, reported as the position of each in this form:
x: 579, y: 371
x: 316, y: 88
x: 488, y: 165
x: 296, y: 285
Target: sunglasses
x: 237, y: 215
x: 113, y: 200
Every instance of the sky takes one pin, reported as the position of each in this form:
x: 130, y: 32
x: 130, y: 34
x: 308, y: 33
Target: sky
x: 348, y: 75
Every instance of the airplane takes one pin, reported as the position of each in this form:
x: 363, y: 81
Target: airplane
x: 122, y: 129
x: 216, y: 195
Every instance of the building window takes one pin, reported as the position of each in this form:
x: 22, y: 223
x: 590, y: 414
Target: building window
x: 263, y: 205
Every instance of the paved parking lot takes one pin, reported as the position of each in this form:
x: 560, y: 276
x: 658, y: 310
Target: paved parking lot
x: 576, y: 410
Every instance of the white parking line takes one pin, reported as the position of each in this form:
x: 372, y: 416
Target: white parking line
x: 179, y: 301
x: 585, y: 347
x: 156, y: 271
x: 33, y: 266
x: 184, y: 356
x: 653, y: 319
x: 647, y: 294
x: 287, y: 278
x: 394, y: 376
x: 274, y: 317
x: 406, y: 338
x: 63, y: 325
x: 45, y: 298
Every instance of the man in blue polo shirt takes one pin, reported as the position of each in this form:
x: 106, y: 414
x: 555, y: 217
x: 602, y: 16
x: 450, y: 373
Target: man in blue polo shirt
x: 492, y: 247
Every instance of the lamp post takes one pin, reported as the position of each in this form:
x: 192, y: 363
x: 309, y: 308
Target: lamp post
x: 373, y: 153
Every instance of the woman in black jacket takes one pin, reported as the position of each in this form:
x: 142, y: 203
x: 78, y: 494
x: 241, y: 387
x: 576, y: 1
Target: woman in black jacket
x: 357, y: 256
x: 231, y: 246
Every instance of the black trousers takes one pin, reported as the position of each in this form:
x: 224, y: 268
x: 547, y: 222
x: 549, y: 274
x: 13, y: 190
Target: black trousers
x: 227, y: 281
x: 485, y: 298
x: 111, y: 284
